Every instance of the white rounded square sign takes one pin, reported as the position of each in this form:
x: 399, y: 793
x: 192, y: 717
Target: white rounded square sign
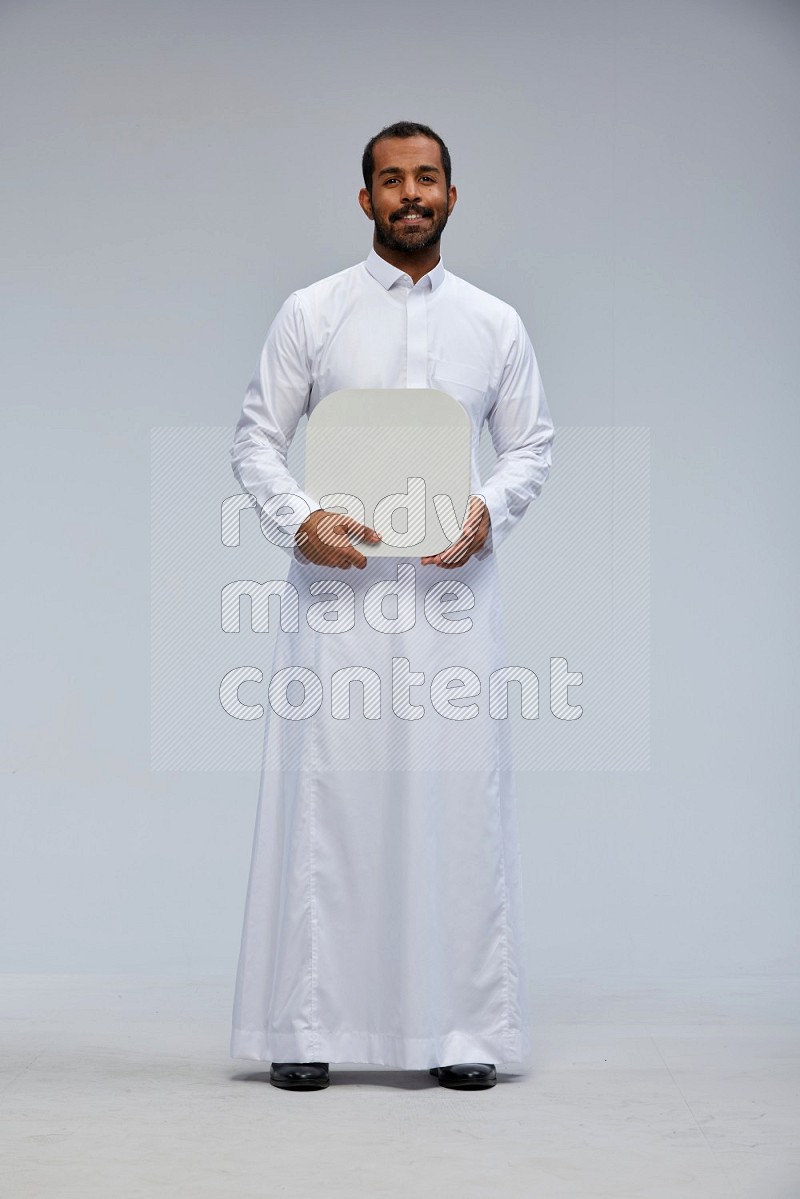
x: 397, y: 459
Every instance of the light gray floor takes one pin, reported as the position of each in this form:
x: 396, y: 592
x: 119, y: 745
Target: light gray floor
x: 121, y: 1086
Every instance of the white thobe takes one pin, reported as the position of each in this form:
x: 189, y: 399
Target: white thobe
x: 383, y: 920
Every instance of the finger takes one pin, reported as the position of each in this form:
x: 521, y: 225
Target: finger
x: 335, y: 558
x: 472, y: 524
x: 457, y: 550
x: 330, y: 532
x: 356, y: 529
x: 338, y: 532
x: 472, y: 521
x: 328, y: 557
x: 354, y: 557
x: 447, y: 555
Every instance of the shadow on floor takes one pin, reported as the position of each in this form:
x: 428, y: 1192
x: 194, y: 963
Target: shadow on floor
x: 404, y: 1080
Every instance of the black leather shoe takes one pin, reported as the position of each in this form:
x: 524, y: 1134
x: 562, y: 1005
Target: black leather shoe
x: 299, y: 1076
x: 466, y: 1076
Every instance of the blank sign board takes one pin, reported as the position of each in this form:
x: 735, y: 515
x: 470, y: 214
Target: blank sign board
x: 398, y: 459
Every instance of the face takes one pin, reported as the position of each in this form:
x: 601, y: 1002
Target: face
x: 409, y: 201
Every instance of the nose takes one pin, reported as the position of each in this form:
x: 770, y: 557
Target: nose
x: 410, y: 190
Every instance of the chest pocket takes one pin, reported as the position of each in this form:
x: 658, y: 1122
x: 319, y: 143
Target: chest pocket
x: 458, y: 375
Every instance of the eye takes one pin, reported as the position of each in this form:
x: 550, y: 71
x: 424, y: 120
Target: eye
x: 429, y: 178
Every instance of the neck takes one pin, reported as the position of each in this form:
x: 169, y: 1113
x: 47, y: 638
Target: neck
x: 415, y: 263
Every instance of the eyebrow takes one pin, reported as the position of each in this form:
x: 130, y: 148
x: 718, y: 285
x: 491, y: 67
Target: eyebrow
x: 399, y: 170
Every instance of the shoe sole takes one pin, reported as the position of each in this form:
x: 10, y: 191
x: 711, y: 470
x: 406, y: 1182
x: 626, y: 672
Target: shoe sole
x: 466, y: 1085
x: 300, y: 1086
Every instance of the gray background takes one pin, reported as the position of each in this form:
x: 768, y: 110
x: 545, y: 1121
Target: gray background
x: 628, y: 178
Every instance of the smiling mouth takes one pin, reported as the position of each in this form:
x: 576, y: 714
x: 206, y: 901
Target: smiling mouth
x: 411, y: 219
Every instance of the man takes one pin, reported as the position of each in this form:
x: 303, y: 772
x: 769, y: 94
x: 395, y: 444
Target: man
x: 383, y: 921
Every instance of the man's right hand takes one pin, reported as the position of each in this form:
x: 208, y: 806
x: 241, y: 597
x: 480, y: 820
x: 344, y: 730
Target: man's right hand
x: 324, y: 538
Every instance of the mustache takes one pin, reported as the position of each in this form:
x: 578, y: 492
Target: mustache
x: 397, y: 216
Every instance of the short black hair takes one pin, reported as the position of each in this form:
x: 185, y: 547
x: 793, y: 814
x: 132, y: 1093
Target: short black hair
x: 401, y: 129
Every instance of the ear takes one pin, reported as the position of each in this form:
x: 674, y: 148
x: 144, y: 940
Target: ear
x: 366, y: 203
x: 452, y: 196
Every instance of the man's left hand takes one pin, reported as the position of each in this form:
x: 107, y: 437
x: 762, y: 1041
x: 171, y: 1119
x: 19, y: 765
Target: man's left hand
x: 474, y: 532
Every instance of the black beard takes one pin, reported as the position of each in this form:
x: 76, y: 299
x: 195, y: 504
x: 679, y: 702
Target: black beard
x: 411, y: 240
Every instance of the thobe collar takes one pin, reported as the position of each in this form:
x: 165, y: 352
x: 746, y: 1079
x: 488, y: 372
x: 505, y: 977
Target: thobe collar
x: 388, y: 275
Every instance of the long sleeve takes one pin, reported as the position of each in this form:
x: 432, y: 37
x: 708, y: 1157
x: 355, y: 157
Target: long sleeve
x: 276, y: 398
x: 522, y: 434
